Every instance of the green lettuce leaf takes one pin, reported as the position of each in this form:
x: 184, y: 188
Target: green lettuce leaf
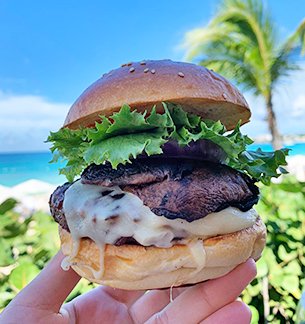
x: 261, y: 165
x: 122, y: 148
x: 126, y: 134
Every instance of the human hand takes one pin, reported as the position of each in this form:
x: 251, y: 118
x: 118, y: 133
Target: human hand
x: 210, y: 302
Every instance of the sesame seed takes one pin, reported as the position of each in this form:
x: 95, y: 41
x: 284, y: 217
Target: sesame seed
x: 112, y: 217
x: 153, y: 71
x: 118, y: 196
x: 106, y: 192
x: 146, y: 70
x: 181, y: 74
x: 143, y: 63
x: 125, y: 64
x: 131, y: 69
x: 129, y: 63
x: 112, y: 220
x: 224, y: 96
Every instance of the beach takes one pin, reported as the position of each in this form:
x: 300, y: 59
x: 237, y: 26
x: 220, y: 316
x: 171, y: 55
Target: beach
x: 32, y: 195
x: 296, y: 166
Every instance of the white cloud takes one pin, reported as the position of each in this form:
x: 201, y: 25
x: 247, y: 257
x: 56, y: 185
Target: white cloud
x: 25, y: 121
x: 298, y: 107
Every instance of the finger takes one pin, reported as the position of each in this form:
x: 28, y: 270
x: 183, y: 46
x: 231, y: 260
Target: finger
x: 102, y: 304
x: 236, y: 312
x: 98, y: 305
x: 151, y: 303
x: 127, y: 297
x: 202, y: 300
x: 49, y: 289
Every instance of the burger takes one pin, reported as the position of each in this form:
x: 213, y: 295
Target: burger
x: 161, y: 186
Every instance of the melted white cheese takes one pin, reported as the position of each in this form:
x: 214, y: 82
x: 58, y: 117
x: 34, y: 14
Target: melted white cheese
x: 198, y: 253
x: 91, y: 211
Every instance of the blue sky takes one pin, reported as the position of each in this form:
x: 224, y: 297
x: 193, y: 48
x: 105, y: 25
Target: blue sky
x: 50, y: 51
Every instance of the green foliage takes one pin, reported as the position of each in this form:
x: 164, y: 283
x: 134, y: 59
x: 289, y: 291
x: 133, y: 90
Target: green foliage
x: 27, y: 243
x: 281, y: 269
x: 22, y: 275
x: 126, y: 134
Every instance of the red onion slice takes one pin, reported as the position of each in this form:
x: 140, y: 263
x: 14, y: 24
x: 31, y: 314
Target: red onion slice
x: 204, y: 150
x: 199, y: 150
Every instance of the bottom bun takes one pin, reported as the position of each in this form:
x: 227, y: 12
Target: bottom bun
x: 136, y: 267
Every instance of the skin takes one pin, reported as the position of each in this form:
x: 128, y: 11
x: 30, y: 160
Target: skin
x: 210, y: 302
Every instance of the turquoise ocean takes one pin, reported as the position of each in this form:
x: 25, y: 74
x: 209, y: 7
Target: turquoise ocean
x: 18, y: 167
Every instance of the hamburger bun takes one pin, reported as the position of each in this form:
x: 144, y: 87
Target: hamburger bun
x: 143, y: 84
x: 140, y: 262
x: 135, y: 267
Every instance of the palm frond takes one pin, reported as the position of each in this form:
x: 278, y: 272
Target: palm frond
x: 241, y: 67
x: 246, y: 33
x: 197, y: 39
x: 296, y: 40
x: 235, y: 70
x: 284, y: 63
x: 250, y: 19
x: 243, y: 33
x: 288, y: 54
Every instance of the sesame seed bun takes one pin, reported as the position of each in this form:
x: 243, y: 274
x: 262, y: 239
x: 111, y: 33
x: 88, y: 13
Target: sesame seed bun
x: 135, y: 267
x: 143, y: 84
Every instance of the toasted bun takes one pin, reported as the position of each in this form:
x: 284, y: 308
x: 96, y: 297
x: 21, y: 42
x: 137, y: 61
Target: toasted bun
x: 143, y: 84
x: 136, y: 267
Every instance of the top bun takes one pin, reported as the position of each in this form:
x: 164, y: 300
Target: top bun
x: 144, y: 84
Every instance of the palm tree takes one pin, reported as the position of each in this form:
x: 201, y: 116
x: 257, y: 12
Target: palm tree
x: 241, y: 43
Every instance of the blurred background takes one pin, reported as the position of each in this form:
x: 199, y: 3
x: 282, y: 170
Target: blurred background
x: 51, y: 51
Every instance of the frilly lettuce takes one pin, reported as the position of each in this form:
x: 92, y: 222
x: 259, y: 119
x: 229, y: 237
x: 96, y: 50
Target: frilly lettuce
x: 126, y: 134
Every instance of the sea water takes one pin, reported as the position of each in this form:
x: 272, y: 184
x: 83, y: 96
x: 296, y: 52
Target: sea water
x: 18, y: 167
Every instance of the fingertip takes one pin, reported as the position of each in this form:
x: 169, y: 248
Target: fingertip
x: 243, y: 311
x: 248, y: 310
x: 235, y: 312
x: 242, y: 275
x: 248, y: 268
x: 251, y: 261
x: 251, y: 267
x: 244, y: 308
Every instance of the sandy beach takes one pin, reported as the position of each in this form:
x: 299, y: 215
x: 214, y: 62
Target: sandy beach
x: 296, y: 166
x: 33, y: 194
